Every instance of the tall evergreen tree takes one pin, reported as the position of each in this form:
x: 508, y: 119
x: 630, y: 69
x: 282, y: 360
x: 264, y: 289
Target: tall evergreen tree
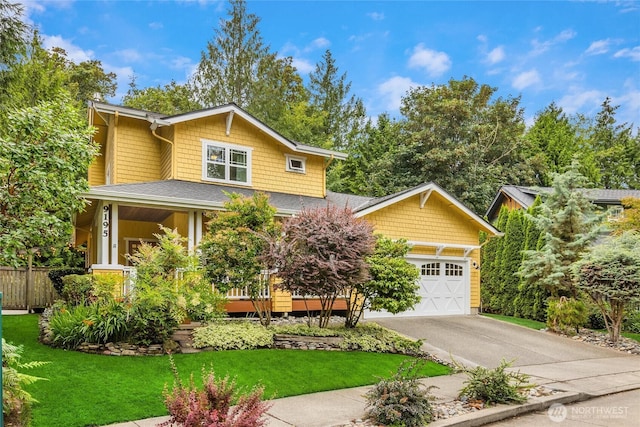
x: 568, y: 224
x: 531, y: 300
x: 228, y: 68
x: 509, y: 261
x: 553, y: 142
x: 369, y: 170
x: 616, y: 150
x: 490, y: 262
x: 329, y: 93
x: 13, y: 33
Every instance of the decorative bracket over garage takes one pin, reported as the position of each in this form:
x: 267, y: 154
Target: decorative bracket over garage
x: 440, y: 247
x: 424, y: 197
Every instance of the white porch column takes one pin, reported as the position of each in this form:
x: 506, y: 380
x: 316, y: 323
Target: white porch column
x: 103, y: 235
x: 191, y: 238
x: 198, y: 227
x: 114, y: 234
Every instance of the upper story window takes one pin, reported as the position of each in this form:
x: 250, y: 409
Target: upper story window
x: 226, y: 163
x: 296, y: 164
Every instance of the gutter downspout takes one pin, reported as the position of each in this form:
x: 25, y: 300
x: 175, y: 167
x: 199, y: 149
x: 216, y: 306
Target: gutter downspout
x: 324, y: 176
x: 153, y: 127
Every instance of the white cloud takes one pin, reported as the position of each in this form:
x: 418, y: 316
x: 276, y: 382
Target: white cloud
x: 156, y: 25
x: 319, y: 43
x: 434, y: 62
x: 393, y: 90
x: 182, y: 63
x: 303, y: 65
x: 633, y: 53
x: 540, y: 47
x: 579, y: 100
x: 376, y: 16
x: 496, y: 55
x: 482, y: 38
x: 526, y: 79
x: 74, y: 53
x: 129, y: 55
x: 598, y: 47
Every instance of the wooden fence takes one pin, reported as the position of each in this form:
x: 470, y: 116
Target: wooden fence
x: 13, y: 285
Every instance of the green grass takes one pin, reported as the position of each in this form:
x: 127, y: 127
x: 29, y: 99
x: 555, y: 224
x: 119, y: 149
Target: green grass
x: 92, y: 390
x: 631, y: 335
x: 533, y: 324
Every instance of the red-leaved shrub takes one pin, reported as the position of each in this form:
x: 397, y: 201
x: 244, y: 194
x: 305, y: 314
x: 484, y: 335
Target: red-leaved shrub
x: 211, y: 406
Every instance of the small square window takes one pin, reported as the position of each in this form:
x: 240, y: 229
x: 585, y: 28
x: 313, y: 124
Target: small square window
x: 296, y: 164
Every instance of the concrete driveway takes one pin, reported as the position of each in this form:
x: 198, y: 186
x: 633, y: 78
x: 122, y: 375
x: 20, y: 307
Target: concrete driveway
x: 553, y: 360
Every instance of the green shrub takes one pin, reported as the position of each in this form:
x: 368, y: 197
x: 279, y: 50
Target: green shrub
x: 401, y: 400
x: 77, y: 290
x: 68, y: 326
x: 566, y: 314
x: 306, y: 330
x: 595, y: 320
x: 368, y: 337
x: 56, y: 275
x: 16, y: 402
x: 495, y: 385
x: 374, y: 338
x: 632, y: 322
x: 233, y: 336
x: 152, y: 319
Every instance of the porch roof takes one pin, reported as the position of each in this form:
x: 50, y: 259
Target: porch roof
x: 182, y: 195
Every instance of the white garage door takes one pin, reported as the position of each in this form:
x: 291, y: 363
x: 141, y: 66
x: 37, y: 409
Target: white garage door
x: 444, y: 288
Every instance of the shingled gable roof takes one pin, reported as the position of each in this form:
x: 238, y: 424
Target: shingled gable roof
x: 382, y: 202
x: 525, y: 196
x: 157, y: 120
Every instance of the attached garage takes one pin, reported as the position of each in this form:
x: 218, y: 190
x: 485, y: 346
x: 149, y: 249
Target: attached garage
x: 444, y: 288
x: 444, y: 236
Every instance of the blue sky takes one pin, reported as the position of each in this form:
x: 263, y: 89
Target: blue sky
x: 574, y: 53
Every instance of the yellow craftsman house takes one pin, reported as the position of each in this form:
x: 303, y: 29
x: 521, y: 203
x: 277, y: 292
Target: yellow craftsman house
x: 170, y: 170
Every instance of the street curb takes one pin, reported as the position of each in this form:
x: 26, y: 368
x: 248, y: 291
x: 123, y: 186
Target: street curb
x: 502, y: 412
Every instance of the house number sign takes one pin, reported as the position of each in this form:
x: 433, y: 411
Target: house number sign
x: 105, y: 221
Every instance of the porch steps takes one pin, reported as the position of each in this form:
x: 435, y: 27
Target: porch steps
x: 184, y: 337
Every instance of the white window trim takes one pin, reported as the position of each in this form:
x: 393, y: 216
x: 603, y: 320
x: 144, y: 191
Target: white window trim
x: 227, y: 147
x: 288, y: 167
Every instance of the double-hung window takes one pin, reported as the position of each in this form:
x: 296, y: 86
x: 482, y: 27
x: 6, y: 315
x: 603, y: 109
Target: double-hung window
x: 226, y: 163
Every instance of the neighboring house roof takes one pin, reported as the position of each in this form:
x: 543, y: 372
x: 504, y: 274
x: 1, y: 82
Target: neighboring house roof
x: 206, y: 196
x: 157, y: 120
x: 525, y: 196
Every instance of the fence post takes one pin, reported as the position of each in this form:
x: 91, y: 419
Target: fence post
x: 1, y: 350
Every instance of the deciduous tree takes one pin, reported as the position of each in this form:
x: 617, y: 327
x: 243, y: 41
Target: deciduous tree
x: 45, y: 152
x: 233, y: 247
x: 321, y: 254
x: 610, y: 274
x: 392, y: 286
x: 461, y: 138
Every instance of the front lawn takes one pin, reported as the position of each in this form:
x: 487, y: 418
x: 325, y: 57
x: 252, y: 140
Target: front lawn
x: 93, y: 390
